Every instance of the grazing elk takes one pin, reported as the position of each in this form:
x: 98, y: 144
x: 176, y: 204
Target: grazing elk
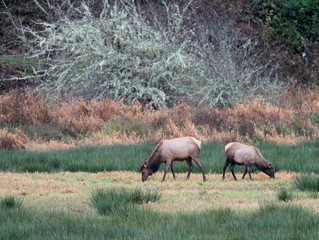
x: 242, y: 154
x: 176, y: 149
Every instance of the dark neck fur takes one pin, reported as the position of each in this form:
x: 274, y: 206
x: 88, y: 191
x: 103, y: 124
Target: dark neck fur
x: 262, y: 165
x: 155, y: 160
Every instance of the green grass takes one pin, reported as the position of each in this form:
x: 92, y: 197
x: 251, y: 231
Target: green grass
x: 108, y: 201
x: 269, y: 222
x: 307, y: 182
x: 284, y: 195
x: 10, y: 202
x: 301, y: 158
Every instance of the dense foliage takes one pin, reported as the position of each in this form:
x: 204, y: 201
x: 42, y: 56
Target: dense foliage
x: 292, y: 22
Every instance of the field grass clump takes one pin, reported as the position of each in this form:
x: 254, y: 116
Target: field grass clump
x: 307, y: 182
x: 10, y: 202
x: 284, y: 195
x: 108, y: 201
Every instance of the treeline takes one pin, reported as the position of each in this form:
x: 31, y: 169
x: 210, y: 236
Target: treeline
x: 214, y: 52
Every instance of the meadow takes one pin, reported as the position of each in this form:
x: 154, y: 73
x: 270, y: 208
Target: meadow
x: 54, y: 194
x: 57, y: 159
x: 60, y: 206
x: 298, y: 158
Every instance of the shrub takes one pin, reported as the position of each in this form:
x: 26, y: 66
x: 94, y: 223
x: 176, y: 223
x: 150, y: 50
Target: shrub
x: 292, y: 22
x: 16, y: 140
x: 108, y: 201
x: 300, y: 21
x: 23, y: 107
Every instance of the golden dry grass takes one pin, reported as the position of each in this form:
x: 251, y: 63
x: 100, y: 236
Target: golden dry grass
x: 71, y: 192
x: 75, y: 122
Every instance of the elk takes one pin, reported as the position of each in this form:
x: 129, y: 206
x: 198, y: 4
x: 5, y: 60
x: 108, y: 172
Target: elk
x: 242, y: 154
x: 168, y: 151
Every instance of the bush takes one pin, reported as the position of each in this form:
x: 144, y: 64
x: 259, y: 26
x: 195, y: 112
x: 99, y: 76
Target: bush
x: 299, y: 22
x: 292, y: 22
x: 108, y: 201
x: 16, y: 140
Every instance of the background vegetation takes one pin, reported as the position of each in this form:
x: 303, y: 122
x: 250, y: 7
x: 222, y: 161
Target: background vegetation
x: 214, y: 52
x: 29, y: 122
x: 301, y: 158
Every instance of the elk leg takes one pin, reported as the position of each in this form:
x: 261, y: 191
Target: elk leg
x: 228, y: 161
x: 248, y: 170
x: 231, y: 167
x: 168, y: 164
x: 190, y: 167
x: 245, y: 172
x: 172, y: 170
x: 199, y: 163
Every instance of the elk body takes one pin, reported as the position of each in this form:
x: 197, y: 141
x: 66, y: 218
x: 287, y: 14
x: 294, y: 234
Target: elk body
x: 242, y: 154
x: 168, y: 151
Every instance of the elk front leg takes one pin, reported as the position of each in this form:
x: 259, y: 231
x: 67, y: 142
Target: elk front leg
x: 168, y: 165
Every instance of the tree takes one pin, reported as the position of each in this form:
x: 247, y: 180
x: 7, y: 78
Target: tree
x: 124, y: 52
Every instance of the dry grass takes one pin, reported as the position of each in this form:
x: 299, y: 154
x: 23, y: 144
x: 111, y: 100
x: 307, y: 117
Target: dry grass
x: 13, y: 140
x: 71, y: 192
x: 78, y: 122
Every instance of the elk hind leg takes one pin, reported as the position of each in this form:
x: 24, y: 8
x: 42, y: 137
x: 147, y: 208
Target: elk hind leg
x: 228, y: 161
x: 199, y: 163
x: 190, y: 167
x: 245, y: 172
x: 232, y: 166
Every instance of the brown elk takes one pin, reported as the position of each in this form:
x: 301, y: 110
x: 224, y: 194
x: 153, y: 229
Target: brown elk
x: 176, y: 149
x: 242, y: 154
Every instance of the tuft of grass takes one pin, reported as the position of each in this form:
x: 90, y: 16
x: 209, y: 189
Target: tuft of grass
x: 284, y: 195
x: 307, y: 182
x: 313, y: 194
x: 108, y: 201
x: 10, y: 202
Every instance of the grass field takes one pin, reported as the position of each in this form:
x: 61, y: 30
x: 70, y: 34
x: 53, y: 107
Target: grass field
x: 299, y: 158
x: 56, y: 190
x: 58, y: 206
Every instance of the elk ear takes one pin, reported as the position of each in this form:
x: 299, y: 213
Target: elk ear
x: 144, y: 165
x: 270, y: 165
